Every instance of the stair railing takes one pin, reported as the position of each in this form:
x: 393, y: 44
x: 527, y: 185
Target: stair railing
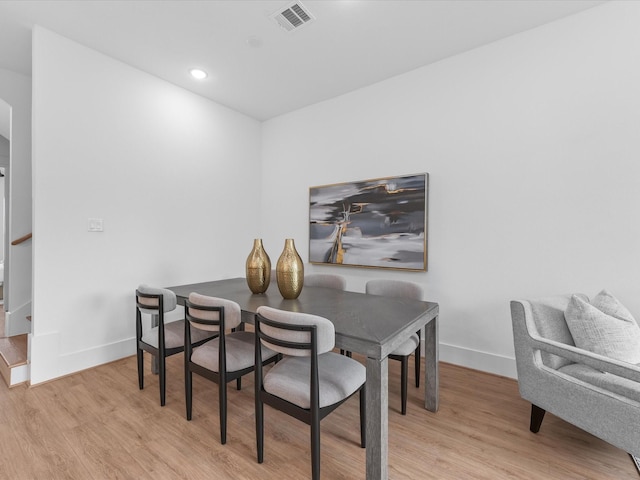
x: 22, y: 239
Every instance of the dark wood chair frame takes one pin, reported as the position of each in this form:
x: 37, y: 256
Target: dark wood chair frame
x: 159, y: 353
x: 404, y: 372
x: 311, y: 416
x: 222, y: 377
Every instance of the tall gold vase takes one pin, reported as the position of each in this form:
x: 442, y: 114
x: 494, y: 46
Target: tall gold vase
x: 258, y: 268
x: 290, y: 271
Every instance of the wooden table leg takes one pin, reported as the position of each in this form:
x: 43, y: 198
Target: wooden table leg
x: 377, y: 419
x: 431, y: 374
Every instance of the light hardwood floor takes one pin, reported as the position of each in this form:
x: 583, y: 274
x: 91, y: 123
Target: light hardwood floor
x: 96, y: 424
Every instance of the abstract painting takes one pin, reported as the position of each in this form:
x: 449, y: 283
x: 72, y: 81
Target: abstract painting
x: 371, y: 223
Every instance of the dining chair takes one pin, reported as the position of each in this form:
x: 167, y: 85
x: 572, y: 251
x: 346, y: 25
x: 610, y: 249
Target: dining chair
x: 408, y: 290
x: 310, y: 381
x: 228, y: 357
x: 326, y: 280
x: 161, y: 339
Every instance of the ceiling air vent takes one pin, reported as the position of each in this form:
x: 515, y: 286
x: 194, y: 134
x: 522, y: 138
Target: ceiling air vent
x: 293, y: 16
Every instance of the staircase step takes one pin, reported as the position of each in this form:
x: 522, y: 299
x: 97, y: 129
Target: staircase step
x: 13, y: 359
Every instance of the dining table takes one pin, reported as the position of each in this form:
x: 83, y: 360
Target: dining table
x: 370, y: 325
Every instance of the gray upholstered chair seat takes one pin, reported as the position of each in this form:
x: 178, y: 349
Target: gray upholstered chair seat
x: 174, y: 335
x: 340, y: 376
x: 606, y: 381
x: 155, y: 302
x: 240, y: 350
x: 310, y: 381
x: 408, y: 347
x: 223, y: 359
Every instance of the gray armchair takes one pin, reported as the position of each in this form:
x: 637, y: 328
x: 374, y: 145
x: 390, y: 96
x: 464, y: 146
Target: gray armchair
x: 595, y: 393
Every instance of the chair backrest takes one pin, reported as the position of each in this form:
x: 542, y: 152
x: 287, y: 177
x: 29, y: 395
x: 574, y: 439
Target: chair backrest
x: 211, y: 313
x: 394, y: 288
x: 326, y: 280
x: 291, y: 333
x: 152, y: 300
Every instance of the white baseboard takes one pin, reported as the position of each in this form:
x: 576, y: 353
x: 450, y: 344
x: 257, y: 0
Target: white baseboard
x: 53, y: 365
x: 483, y: 361
x: 81, y: 360
x: 84, y: 359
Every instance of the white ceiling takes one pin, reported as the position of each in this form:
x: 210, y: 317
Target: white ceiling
x: 350, y: 44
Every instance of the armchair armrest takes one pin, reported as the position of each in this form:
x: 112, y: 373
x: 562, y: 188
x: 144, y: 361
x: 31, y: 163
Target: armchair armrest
x: 585, y: 357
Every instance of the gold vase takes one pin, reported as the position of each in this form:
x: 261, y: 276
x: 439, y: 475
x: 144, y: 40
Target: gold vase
x: 290, y: 271
x: 258, y: 268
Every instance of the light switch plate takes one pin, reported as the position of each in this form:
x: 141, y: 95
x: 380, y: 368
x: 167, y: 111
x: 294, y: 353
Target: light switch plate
x: 96, y: 225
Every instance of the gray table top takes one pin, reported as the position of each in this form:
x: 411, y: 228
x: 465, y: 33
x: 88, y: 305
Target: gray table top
x: 369, y: 324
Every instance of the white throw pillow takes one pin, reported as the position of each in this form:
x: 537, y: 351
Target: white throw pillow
x: 605, y: 327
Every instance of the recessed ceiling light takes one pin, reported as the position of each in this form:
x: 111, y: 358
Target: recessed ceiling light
x: 254, y: 42
x: 198, y: 74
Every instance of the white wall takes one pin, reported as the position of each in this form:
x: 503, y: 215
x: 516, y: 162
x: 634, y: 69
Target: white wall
x: 532, y: 148
x: 15, y: 89
x: 175, y: 178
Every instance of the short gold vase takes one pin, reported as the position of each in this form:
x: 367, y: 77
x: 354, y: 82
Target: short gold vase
x: 290, y: 271
x: 258, y: 268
